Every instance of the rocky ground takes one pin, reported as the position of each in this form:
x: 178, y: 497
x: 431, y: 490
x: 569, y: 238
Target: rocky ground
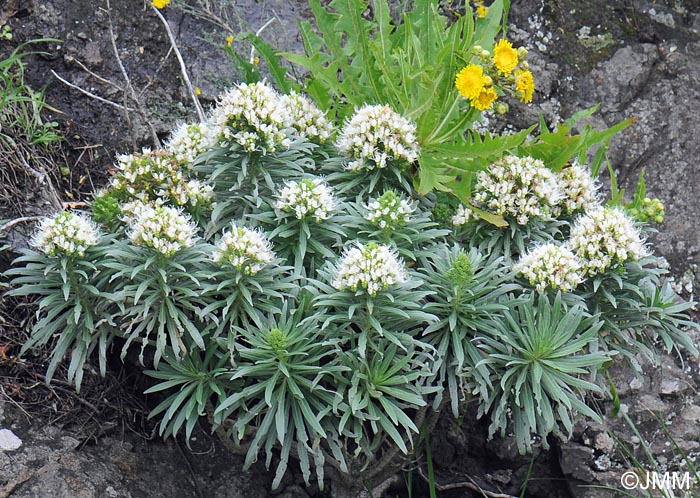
x: 636, y: 58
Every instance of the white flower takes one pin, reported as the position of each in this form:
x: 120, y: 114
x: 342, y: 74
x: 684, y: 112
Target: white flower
x: 376, y: 136
x: 307, y: 198
x: 605, y: 237
x: 252, y: 116
x: 65, y: 233
x: 193, y: 193
x: 372, y: 267
x: 579, y: 187
x: 520, y: 188
x: 551, y: 266
x: 389, y: 211
x: 463, y: 215
x: 244, y: 249
x: 189, y: 140
x: 162, y: 228
x: 306, y: 117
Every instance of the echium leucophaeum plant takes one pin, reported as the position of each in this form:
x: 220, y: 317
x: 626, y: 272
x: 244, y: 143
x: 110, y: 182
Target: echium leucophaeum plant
x: 372, y: 309
x: 157, y: 273
x: 65, y: 271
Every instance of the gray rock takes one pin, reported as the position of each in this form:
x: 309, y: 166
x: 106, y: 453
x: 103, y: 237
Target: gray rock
x: 576, y: 460
x: 9, y: 441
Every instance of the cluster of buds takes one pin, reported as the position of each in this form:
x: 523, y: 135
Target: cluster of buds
x: 505, y: 69
x: 377, y: 136
x: 372, y: 267
x: 66, y: 233
x: 389, y: 211
x: 245, y: 250
x: 580, y: 189
x: 551, y: 266
x: 307, y: 198
x: 650, y: 210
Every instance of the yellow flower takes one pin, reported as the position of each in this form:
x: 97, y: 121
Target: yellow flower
x: 256, y: 61
x: 485, y: 99
x: 525, y: 85
x: 481, y: 10
x: 229, y: 40
x: 505, y: 57
x: 197, y: 90
x: 470, y: 81
x: 159, y: 4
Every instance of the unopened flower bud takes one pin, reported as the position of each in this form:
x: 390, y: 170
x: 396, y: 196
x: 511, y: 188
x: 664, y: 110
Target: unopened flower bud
x: 522, y: 53
x: 488, y: 81
x: 501, y: 108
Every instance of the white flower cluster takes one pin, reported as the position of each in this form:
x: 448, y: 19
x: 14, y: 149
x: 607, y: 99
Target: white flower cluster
x: 162, y: 228
x: 520, y: 188
x: 65, y: 233
x: 252, y: 116
x: 377, y: 135
x: 389, y: 211
x: 373, y: 267
x: 244, y: 249
x: 153, y: 175
x: 605, y: 237
x: 193, y: 193
x: 307, y: 198
x: 579, y: 187
x: 306, y: 117
x: 551, y: 266
x: 463, y: 215
x: 190, y: 140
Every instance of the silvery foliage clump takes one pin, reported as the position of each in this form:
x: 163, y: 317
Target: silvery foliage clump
x: 302, y: 298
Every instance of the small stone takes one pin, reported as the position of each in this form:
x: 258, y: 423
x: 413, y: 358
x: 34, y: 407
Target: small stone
x: 8, y: 440
x: 636, y: 384
x: 691, y: 413
x: 602, y: 463
x: 604, y: 442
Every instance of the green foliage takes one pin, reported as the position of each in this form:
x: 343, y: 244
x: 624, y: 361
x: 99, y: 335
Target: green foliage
x: 543, y: 358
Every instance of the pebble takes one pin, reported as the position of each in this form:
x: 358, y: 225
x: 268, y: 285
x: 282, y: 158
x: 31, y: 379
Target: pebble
x: 8, y: 440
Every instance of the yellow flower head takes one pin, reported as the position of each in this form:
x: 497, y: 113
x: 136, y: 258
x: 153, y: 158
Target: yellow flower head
x: 481, y: 10
x: 229, y: 40
x: 505, y: 57
x: 485, y: 99
x: 470, y: 81
x: 197, y: 90
x: 525, y: 85
x: 159, y: 4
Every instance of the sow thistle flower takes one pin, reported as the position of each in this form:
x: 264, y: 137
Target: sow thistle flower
x: 389, y: 211
x: 252, y: 116
x: 189, y: 140
x: 244, y: 249
x: 372, y: 267
x: 307, y: 198
x: 605, y: 237
x: 519, y: 188
x: 505, y: 70
x: 66, y: 233
x: 551, y: 266
x: 306, y: 117
x: 164, y: 229
x: 376, y: 136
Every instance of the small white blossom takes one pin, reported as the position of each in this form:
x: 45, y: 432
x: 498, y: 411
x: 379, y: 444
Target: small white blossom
x: 65, y: 233
x: 307, y: 198
x: 252, y: 116
x: 189, y: 140
x: 372, y: 267
x: 193, y: 193
x: 306, y: 117
x: 463, y: 216
x: 520, y: 188
x: 375, y: 136
x: 244, y: 249
x: 389, y: 211
x: 163, y: 228
x: 605, y: 237
x: 579, y: 187
x: 551, y: 266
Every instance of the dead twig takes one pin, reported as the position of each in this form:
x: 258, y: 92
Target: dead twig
x: 471, y: 484
x: 183, y: 68
x: 90, y: 94
x: 17, y: 221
